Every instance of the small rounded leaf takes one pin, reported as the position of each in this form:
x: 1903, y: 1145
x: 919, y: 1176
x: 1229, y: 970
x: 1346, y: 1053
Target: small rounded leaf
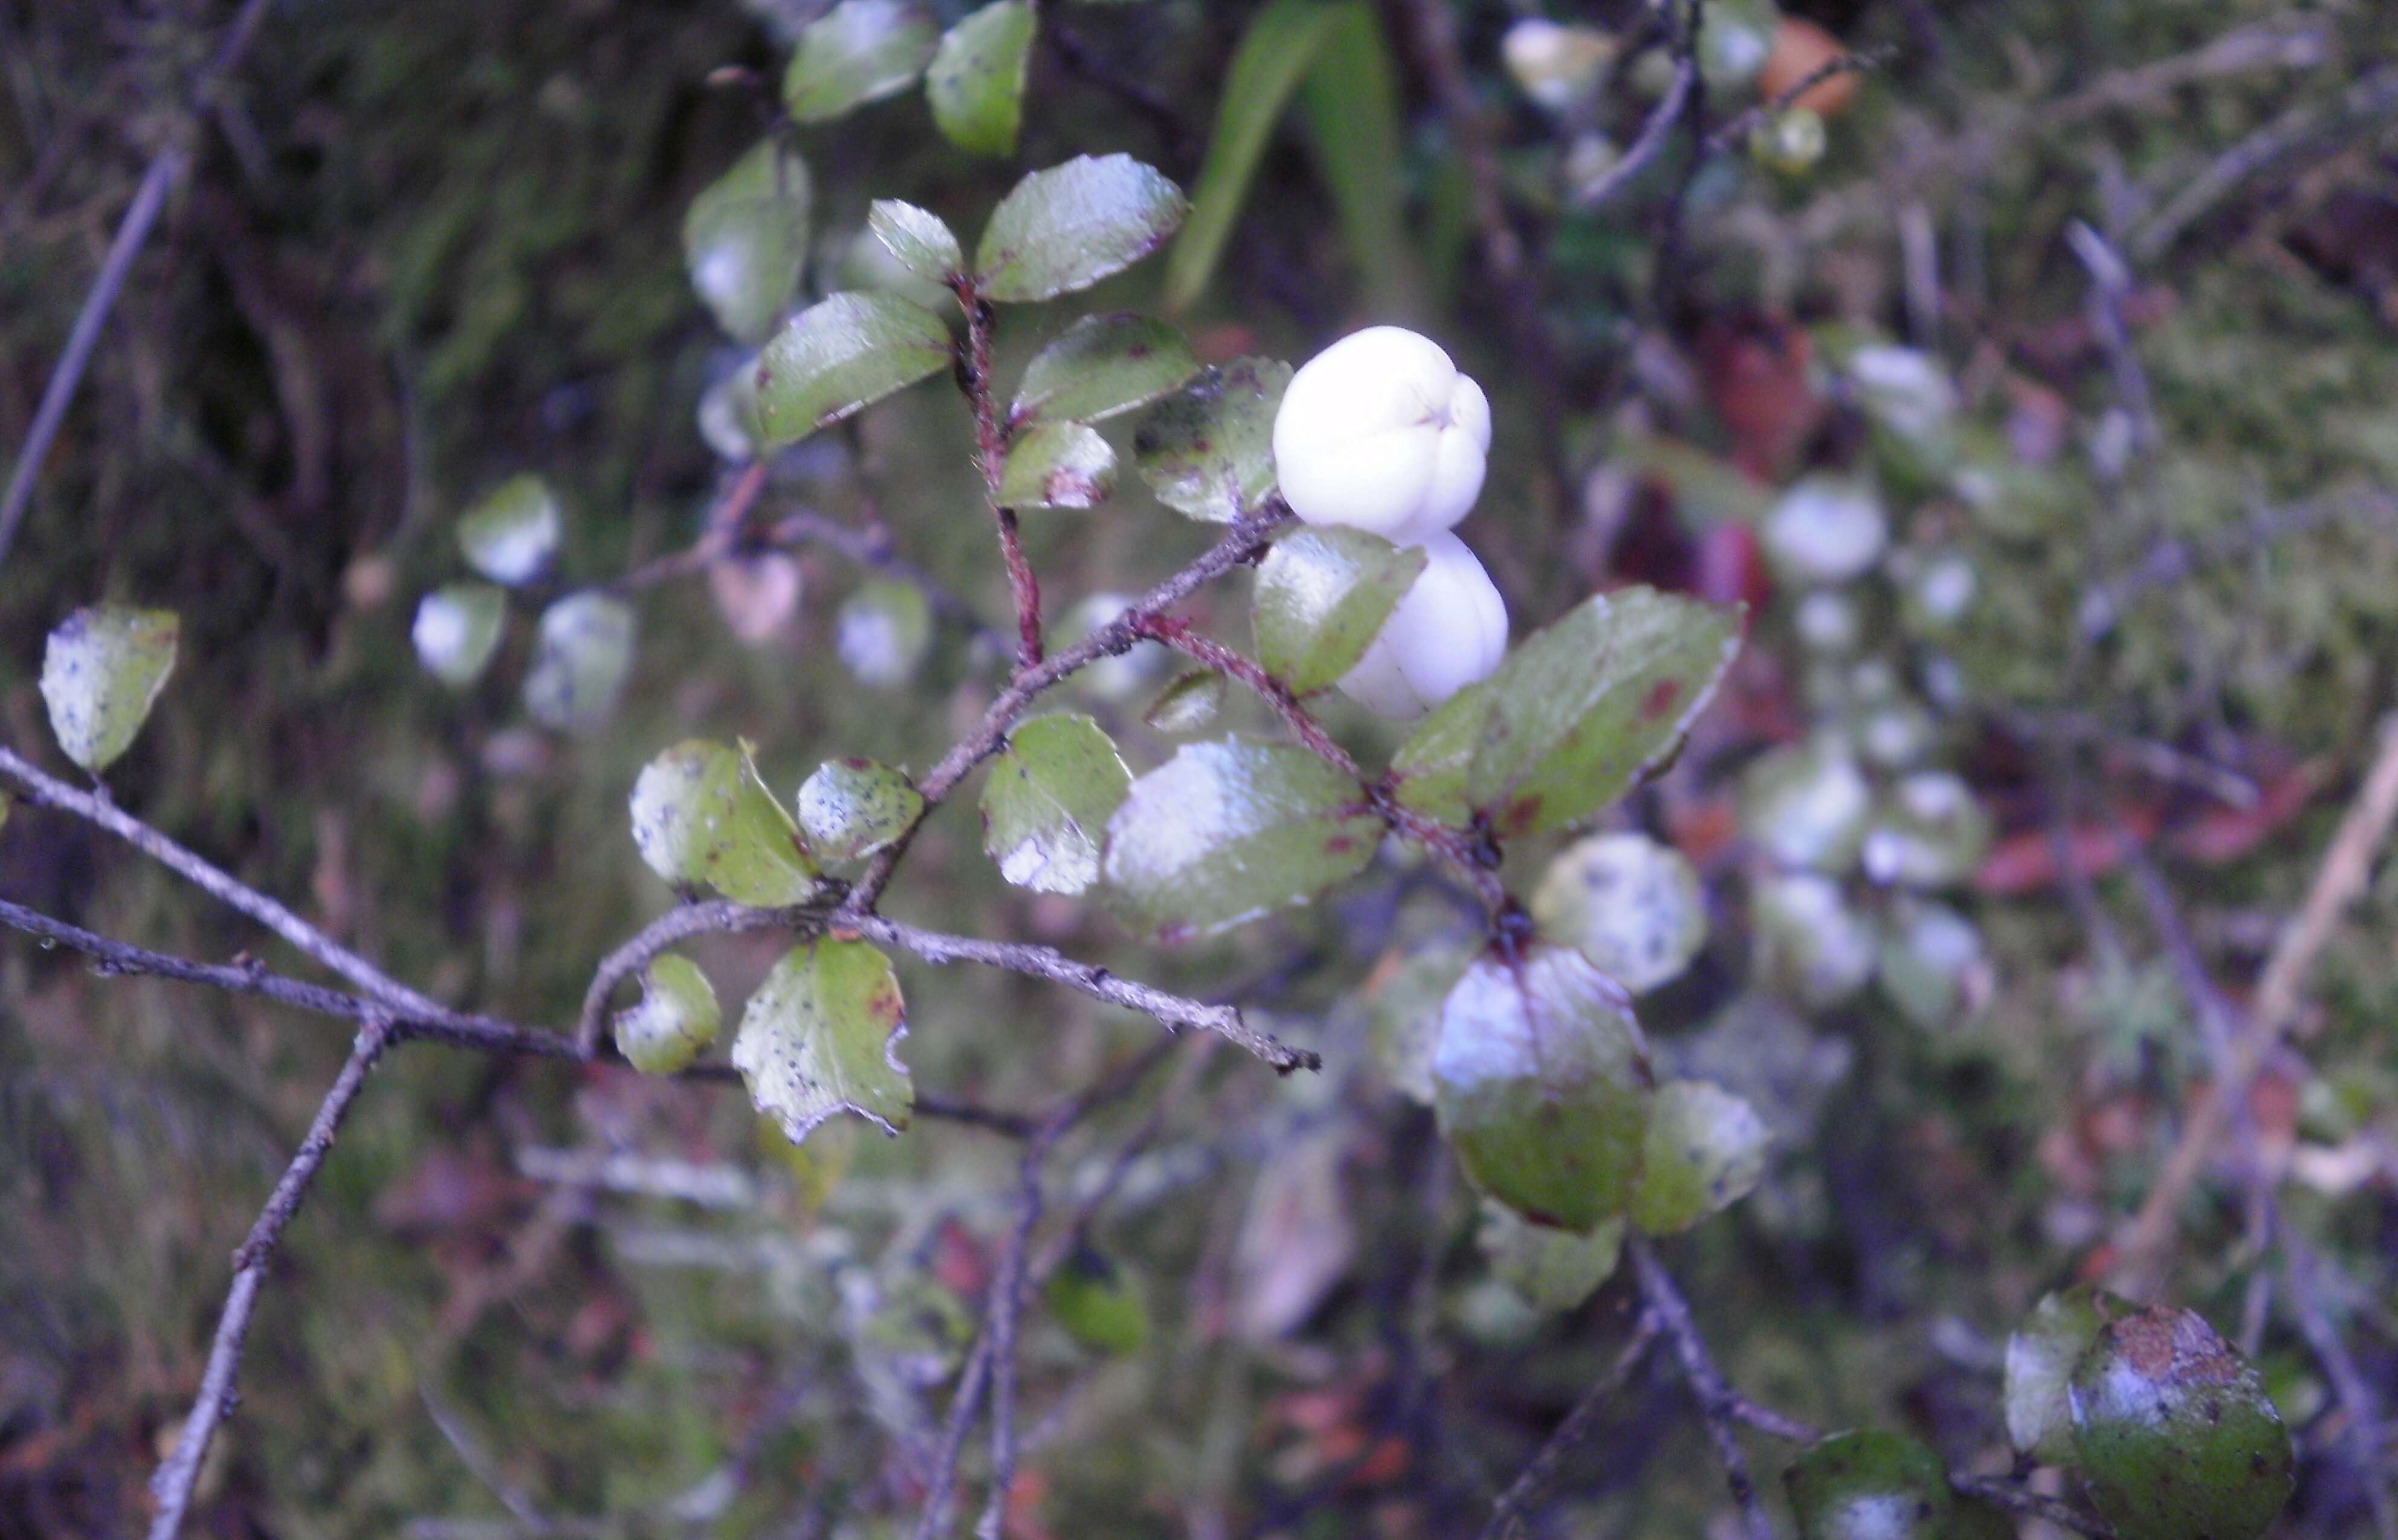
x: 703, y: 818
x: 861, y: 51
x: 1811, y: 945
x: 1930, y: 831
x: 511, y: 536
x: 1553, y: 1270
x: 821, y: 1037
x: 1825, y: 530
x: 457, y: 629
x: 745, y: 240
x: 923, y: 244
x: 975, y: 82
x: 1046, y: 803
x: 101, y: 672
x: 1322, y: 596
x: 1071, y: 225
x: 1932, y: 965
x: 581, y: 659
x: 884, y: 633
x: 1189, y: 703
x: 678, y: 1016
x: 1099, y: 1304
x: 1631, y: 905
x: 842, y: 354
x: 1208, y: 450
x: 2040, y: 1356
x: 2173, y: 1432
x: 1103, y: 365
x: 1057, y: 465
x: 1228, y: 830
x: 1807, y: 805
x: 1705, y: 1151
x: 1869, y: 1485
x: 1542, y: 1083
x: 850, y: 808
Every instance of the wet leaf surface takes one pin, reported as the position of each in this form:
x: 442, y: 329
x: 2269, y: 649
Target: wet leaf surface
x: 821, y: 1037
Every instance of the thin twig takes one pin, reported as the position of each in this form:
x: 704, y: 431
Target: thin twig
x: 1008, y: 1293
x: 1515, y: 1507
x: 2347, y: 866
x: 2365, y: 1434
x: 1719, y: 1407
x: 47, y: 791
x: 990, y: 458
x: 2000, y: 1492
x: 180, y: 1470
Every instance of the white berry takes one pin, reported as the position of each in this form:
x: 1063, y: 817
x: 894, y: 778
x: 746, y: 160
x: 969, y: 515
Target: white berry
x: 1449, y: 631
x: 1379, y: 432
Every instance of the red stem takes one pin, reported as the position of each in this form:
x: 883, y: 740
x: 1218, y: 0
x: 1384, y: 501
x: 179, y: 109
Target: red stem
x: 990, y: 450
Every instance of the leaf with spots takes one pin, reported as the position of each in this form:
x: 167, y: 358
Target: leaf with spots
x: 1322, y: 595
x: 678, y: 1016
x: 1046, y: 803
x: 101, y: 673
x: 1588, y: 706
x: 2174, y: 1433
x: 1543, y: 1087
x: 703, y: 818
x: 1208, y: 450
x: 1705, y: 1151
x: 821, y: 1037
x: 850, y: 808
x: 1228, y: 830
x: 842, y: 354
x: 2040, y: 1356
x: 1102, y: 366
x: 1057, y: 465
x: 581, y: 659
x: 1071, y: 225
x: 1631, y: 905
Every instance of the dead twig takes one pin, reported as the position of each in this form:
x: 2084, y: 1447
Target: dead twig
x: 1515, y: 1505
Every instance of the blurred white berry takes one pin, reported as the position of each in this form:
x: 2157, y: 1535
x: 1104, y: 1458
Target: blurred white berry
x: 1447, y: 633
x: 1555, y: 65
x: 1379, y: 432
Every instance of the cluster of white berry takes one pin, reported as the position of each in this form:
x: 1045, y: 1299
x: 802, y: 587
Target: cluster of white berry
x: 1379, y: 432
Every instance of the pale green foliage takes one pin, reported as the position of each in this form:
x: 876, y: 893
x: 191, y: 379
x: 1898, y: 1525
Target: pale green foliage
x: 850, y: 808
x: 1046, y: 802
x: 580, y: 658
x: 745, y: 240
x: 860, y: 51
x: 678, y: 1016
x: 1067, y: 227
x: 1869, y: 1485
x: 842, y: 355
x: 923, y: 244
x: 101, y: 672
x: 511, y: 536
x: 1322, y: 595
x: 821, y: 1037
x: 1705, y: 1151
x: 1057, y: 465
x: 703, y: 818
x: 457, y: 630
x: 975, y: 82
x: 1102, y: 366
x: 1208, y: 450
x: 1631, y: 905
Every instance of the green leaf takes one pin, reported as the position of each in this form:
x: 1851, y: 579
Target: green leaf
x: 101, y: 672
x: 2173, y: 1432
x: 884, y: 633
x: 1227, y: 830
x: 1099, y: 1304
x: 1429, y: 767
x: 678, y: 1016
x: 1553, y: 1270
x: 1282, y: 43
x: 511, y: 536
x: 2040, y: 1356
x: 1057, y: 465
x: 1101, y: 365
x: 1403, y: 1005
x: 1929, y: 830
x: 702, y: 817
x: 1631, y: 905
x: 1869, y: 1485
x: 580, y: 658
x: 745, y: 240
x: 1067, y: 227
x: 1351, y: 102
x: 1542, y: 1084
x: 1046, y: 803
x: 1321, y: 598
x: 1931, y: 956
x: 821, y: 1037
x: 923, y: 245
x: 1705, y: 1151
x: 1806, y: 805
x: 862, y: 51
x: 457, y: 630
x: 844, y: 354
x: 975, y: 84
x: 1588, y: 706
x: 1810, y: 943
x: 1189, y: 703
x: 850, y: 808
x: 1208, y: 450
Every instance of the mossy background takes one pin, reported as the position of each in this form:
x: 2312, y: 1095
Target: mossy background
x: 429, y: 247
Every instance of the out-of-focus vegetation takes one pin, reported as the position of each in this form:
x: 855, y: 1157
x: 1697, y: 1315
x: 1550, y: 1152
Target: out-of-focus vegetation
x: 2043, y: 417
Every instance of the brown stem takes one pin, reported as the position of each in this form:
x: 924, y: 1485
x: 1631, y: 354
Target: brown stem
x: 990, y: 453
